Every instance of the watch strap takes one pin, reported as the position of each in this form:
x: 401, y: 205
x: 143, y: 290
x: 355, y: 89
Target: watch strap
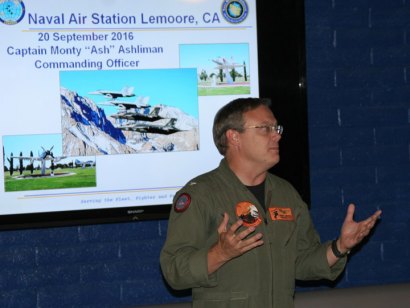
x: 336, y: 251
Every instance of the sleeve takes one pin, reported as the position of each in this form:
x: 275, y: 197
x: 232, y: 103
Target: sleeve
x: 184, y: 256
x: 311, y: 261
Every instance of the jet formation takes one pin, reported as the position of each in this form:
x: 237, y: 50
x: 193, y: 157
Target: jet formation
x: 139, y: 117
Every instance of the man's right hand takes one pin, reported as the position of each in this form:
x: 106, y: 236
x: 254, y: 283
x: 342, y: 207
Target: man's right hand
x: 231, y: 243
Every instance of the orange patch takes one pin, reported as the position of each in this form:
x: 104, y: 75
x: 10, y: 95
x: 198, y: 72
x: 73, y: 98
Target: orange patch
x: 281, y: 213
x: 249, y: 214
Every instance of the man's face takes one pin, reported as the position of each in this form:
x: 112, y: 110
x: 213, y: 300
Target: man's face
x: 260, y: 145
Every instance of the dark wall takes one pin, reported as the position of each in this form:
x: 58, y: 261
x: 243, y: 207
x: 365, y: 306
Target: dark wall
x: 359, y: 133
x: 359, y: 128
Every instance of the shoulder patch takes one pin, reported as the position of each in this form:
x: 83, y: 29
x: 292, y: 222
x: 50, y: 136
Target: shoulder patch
x: 182, y: 203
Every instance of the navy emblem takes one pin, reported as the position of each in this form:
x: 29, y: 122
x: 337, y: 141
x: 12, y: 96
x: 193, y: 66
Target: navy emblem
x: 11, y: 12
x: 182, y: 203
x: 235, y: 11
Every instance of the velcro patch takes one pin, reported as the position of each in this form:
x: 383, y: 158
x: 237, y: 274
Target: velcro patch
x: 248, y: 213
x: 281, y: 213
x: 182, y: 203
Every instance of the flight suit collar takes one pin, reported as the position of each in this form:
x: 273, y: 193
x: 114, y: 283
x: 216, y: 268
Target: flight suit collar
x: 234, y: 181
x: 228, y: 173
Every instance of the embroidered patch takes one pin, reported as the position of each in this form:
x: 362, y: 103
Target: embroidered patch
x: 281, y: 213
x: 248, y: 213
x: 182, y: 203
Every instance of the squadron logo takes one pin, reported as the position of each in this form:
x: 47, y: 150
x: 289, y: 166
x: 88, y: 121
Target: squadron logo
x: 235, y: 11
x: 11, y: 11
x: 248, y: 213
x: 182, y: 203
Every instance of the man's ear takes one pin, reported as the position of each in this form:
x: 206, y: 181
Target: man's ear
x: 232, y: 136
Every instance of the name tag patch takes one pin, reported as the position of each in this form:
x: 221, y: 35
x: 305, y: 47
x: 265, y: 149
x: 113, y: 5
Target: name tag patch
x: 281, y: 213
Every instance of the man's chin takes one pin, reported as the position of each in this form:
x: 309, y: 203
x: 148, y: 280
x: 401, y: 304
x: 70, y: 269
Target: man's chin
x: 275, y: 161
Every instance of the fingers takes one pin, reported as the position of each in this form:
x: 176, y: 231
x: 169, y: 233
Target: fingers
x: 376, y: 215
x: 236, y: 226
x: 224, y: 224
x: 371, y: 221
x: 223, y: 227
x: 353, y: 232
x: 242, y: 242
x: 367, y: 225
x: 234, y: 243
x: 244, y: 239
x: 252, y: 242
x: 350, y: 212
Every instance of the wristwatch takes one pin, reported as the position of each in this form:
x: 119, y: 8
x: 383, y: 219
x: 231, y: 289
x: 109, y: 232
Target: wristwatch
x: 336, y: 251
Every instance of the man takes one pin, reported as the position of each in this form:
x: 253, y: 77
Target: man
x: 240, y: 236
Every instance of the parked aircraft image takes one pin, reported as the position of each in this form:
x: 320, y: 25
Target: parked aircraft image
x: 84, y: 164
x: 125, y: 92
x: 46, y: 155
x: 152, y: 128
x: 225, y: 65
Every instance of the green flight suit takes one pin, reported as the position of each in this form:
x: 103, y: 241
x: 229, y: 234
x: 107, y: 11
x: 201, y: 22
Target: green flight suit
x: 261, y: 278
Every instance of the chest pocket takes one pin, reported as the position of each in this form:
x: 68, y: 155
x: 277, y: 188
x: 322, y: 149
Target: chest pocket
x: 282, y: 223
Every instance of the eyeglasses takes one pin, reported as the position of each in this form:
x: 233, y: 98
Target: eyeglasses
x: 267, y: 129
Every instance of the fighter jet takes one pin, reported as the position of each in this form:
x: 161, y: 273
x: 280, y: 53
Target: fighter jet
x: 151, y: 128
x: 125, y: 92
x: 140, y: 103
x: 138, y: 116
x: 223, y: 63
x: 46, y: 155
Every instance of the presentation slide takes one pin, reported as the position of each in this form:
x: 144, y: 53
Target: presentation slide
x: 110, y: 104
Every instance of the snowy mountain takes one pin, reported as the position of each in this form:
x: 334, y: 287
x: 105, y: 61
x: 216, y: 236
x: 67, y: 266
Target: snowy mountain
x: 88, y: 131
